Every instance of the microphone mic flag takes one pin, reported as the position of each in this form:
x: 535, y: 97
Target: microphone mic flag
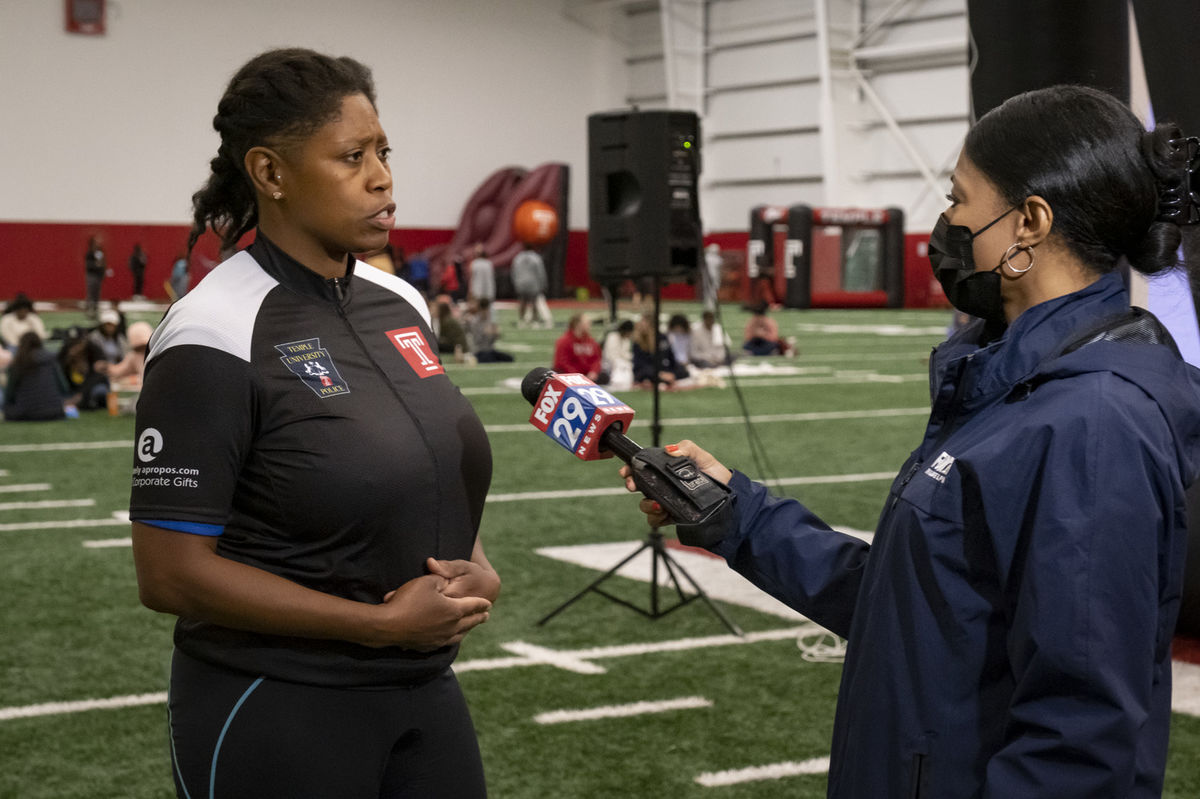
x: 585, y: 419
x: 574, y: 411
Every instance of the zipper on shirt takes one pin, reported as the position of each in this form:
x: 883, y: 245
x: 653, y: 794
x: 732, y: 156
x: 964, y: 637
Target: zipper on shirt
x: 338, y: 285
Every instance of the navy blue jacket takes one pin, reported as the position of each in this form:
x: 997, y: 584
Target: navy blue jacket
x: 1010, y: 624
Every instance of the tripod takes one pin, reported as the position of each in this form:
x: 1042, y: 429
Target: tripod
x: 654, y: 540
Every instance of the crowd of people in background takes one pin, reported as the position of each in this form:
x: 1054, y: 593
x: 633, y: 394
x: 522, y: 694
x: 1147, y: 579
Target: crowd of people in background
x: 47, y: 381
x: 55, y: 375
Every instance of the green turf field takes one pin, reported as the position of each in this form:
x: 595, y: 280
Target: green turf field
x: 847, y: 410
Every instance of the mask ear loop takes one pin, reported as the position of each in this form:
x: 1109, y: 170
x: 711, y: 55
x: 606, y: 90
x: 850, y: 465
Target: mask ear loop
x: 1008, y: 254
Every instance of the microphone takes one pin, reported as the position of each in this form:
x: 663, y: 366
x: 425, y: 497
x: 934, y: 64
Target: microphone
x: 577, y: 414
x: 590, y: 422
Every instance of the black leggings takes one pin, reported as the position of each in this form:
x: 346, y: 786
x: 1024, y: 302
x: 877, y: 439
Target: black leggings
x: 235, y: 736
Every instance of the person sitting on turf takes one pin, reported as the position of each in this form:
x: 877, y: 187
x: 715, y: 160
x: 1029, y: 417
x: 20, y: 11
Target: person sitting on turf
x: 653, y: 359
x: 18, y: 319
x: 35, y: 386
x: 576, y: 351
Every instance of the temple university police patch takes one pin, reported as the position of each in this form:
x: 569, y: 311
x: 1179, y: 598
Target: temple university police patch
x: 312, y: 364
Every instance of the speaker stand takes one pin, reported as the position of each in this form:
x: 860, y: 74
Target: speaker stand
x: 654, y: 541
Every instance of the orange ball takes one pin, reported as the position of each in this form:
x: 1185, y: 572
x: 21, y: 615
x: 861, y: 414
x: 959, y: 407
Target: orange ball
x: 535, y: 222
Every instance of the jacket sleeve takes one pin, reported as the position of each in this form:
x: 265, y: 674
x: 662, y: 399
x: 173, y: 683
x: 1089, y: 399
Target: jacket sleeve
x: 784, y: 549
x: 1087, y: 638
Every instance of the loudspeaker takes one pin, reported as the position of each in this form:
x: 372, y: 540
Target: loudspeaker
x: 643, y: 203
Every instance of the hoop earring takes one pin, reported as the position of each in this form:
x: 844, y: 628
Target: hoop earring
x: 1008, y: 254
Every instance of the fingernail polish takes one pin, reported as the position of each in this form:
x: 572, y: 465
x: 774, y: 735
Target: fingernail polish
x: 671, y: 448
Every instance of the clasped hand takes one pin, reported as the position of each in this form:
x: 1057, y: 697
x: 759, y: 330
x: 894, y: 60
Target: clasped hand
x: 438, y: 609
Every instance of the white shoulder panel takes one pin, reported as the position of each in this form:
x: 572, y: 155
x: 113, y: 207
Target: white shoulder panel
x: 395, y: 284
x: 220, y: 312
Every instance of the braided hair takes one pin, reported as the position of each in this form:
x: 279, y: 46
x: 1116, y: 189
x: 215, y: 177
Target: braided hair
x: 277, y: 99
x: 1109, y: 181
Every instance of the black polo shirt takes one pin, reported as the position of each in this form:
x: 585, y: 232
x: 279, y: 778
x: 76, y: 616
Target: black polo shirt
x: 310, y: 424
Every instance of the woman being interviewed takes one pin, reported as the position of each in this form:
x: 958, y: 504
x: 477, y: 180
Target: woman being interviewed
x: 1010, y: 624
x: 308, y: 484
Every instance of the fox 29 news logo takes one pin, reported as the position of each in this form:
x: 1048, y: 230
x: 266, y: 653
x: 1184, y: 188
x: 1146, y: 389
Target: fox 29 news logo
x: 567, y: 408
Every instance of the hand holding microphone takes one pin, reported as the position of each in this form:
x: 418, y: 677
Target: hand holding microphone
x: 704, y: 461
x: 586, y: 419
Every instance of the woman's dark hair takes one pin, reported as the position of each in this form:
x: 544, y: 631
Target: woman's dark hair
x: 678, y: 322
x: 21, y: 301
x: 1102, y: 173
x: 277, y: 99
x: 27, y: 347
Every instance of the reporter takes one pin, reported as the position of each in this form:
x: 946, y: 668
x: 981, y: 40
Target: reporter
x: 1010, y: 624
x: 308, y: 484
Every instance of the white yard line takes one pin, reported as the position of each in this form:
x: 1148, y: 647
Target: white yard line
x: 877, y: 330
x: 622, y: 711
x: 59, y: 708
x: 824, y: 479
x: 775, y: 771
x: 23, y: 487
x: 783, y: 373
x: 107, y: 543
x: 694, y: 421
x: 66, y: 445
x: 61, y: 525
x: 48, y: 503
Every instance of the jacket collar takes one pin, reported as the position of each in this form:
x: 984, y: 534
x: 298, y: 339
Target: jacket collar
x: 297, y: 277
x: 1036, y: 337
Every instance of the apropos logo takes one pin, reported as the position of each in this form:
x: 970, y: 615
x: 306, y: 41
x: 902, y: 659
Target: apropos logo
x: 149, y: 445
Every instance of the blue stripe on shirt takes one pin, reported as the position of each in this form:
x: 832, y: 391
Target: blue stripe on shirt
x: 195, y: 528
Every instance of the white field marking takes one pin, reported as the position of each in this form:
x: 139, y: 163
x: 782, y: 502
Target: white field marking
x: 775, y: 771
x: 64, y: 524
x: 718, y: 580
x: 622, y: 711
x: 1185, y: 687
x: 876, y: 330
x: 20, y: 488
x: 66, y: 445
x: 550, y: 657
x: 813, y: 416
x: 810, y: 376
x: 864, y: 357
x: 826, y: 479
x: 59, y: 708
x: 874, y: 377
x: 105, y: 543
x: 540, y: 495
x: 3, y: 472
x: 632, y: 650
x: 47, y: 503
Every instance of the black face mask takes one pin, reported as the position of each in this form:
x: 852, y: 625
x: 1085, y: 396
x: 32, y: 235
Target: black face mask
x: 953, y: 259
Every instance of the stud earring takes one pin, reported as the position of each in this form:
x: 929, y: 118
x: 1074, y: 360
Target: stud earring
x: 277, y: 195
